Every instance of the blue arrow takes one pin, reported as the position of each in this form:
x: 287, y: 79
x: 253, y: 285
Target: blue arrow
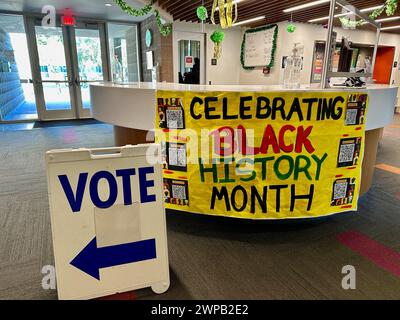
x: 91, y: 259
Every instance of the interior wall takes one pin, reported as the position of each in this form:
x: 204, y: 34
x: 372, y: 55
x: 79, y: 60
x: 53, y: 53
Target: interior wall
x: 162, y: 51
x: 227, y: 70
x: 307, y: 34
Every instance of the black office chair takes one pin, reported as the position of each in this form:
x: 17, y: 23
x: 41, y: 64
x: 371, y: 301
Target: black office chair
x: 181, y: 78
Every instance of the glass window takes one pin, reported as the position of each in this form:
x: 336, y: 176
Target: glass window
x: 17, y: 98
x: 124, y: 58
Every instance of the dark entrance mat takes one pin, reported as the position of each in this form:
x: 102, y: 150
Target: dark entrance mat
x: 65, y: 123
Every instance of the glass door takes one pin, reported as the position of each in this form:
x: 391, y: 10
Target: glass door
x: 90, y: 62
x: 66, y: 60
x: 56, y: 78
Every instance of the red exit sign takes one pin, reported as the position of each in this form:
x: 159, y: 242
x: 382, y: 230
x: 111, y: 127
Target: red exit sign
x: 68, y: 18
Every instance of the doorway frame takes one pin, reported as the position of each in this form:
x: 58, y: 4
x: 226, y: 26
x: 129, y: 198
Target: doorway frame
x: 106, y: 60
x: 195, y: 36
x: 70, y: 50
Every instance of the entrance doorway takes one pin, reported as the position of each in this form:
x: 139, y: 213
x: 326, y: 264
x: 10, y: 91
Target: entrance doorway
x: 45, y: 72
x: 65, y: 61
x: 384, y: 65
x: 189, y: 58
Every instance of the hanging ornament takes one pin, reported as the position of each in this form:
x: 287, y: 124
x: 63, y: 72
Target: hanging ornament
x: 226, y: 17
x: 202, y: 13
x: 291, y: 28
x: 217, y: 37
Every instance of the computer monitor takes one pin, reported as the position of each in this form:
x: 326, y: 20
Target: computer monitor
x: 346, y: 54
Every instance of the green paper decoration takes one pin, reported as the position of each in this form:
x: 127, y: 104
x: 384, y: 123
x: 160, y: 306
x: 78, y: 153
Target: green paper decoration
x: 217, y: 37
x: 273, y: 45
x: 165, y: 29
x: 202, y: 13
x: 132, y: 11
x: 389, y: 7
x: 291, y: 28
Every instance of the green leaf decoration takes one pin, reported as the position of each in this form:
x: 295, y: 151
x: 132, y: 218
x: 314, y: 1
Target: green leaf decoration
x: 202, y: 13
x: 132, y: 11
x: 389, y: 8
x: 291, y: 28
x: 165, y: 29
x: 217, y: 36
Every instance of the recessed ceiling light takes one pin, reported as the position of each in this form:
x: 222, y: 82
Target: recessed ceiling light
x: 390, y: 28
x: 306, y: 5
x: 345, y: 14
x: 249, y: 21
x: 108, y: 5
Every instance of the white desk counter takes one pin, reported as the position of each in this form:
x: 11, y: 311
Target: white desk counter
x: 131, y: 108
x: 133, y: 105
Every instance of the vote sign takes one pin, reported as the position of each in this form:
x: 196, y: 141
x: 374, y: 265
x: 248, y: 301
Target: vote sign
x: 108, y: 221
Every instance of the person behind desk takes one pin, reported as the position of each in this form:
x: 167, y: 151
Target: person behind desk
x: 193, y: 77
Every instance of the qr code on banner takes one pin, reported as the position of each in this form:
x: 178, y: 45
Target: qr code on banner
x: 340, y: 190
x: 351, y: 116
x: 174, y: 119
x: 177, y: 157
x: 178, y: 192
x: 346, y: 153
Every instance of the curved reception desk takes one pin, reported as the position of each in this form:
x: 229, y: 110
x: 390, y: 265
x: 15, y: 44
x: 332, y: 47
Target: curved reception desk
x: 308, y: 134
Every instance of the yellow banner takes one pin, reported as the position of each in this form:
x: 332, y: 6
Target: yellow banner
x: 262, y: 155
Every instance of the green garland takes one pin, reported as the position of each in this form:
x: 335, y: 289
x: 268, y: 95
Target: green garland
x: 273, y: 45
x: 132, y: 11
x: 389, y: 7
x: 165, y: 29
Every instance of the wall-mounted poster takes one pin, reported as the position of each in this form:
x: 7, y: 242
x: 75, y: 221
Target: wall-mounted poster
x: 149, y: 60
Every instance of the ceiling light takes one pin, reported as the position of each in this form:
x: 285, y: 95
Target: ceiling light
x: 390, y: 28
x: 307, y: 5
x: 346, y: 14
x: 108, y: 5
x: 387, y: 19
x: 237, y: 1
x: 326, y: 18
x: 248, y: 21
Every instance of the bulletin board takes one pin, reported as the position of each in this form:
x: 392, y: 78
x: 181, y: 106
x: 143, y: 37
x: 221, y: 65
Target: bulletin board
x: 259, y: 46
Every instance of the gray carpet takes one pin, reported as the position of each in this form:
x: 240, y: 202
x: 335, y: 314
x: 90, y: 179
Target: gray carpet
x: 209, y: 258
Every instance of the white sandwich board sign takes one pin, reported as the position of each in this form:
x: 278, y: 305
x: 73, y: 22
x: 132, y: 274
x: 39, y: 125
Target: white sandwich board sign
x: 108, y: 220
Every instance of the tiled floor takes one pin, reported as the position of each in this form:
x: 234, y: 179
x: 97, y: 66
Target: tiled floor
x: 212, y: 258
